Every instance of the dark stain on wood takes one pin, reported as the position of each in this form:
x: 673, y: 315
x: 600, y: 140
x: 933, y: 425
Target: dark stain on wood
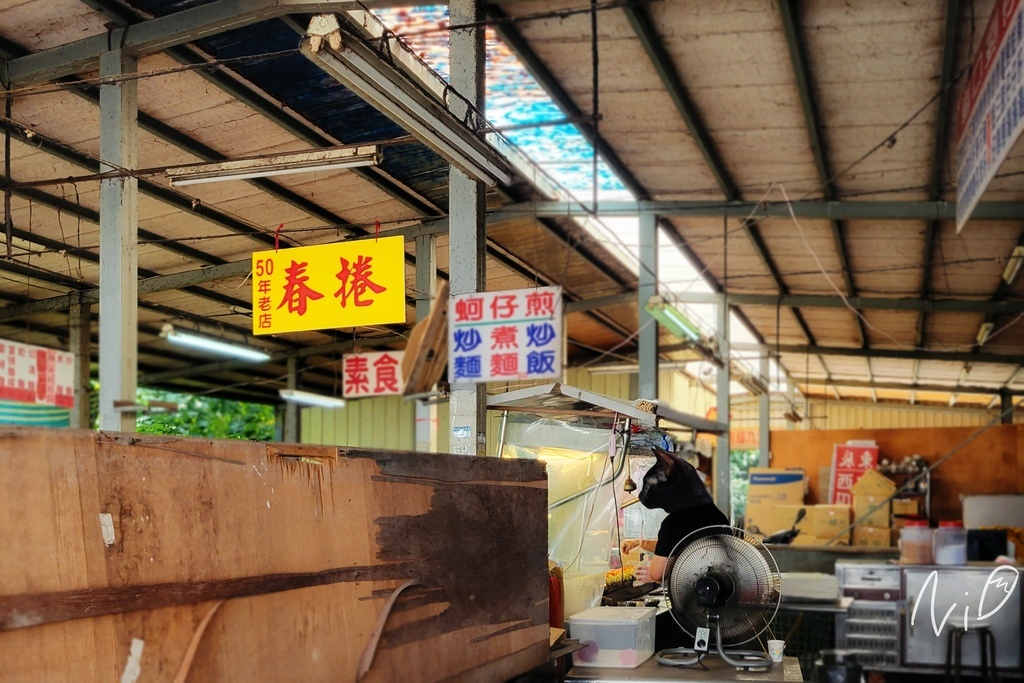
x: 483, y: 545
x: 21, y: 611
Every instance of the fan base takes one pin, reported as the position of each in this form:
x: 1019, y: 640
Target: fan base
x: 681, y: 656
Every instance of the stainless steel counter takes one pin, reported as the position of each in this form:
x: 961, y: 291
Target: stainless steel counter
x: 719, y: 671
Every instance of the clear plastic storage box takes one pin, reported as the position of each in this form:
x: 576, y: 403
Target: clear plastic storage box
x: 616, y: 637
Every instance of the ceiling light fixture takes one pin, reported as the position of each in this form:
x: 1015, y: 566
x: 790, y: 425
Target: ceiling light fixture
x: 1013, y: 265
x: 754, y: 384
x: 307, y: 398
x: 673, y: 320
x: 211, y: 345
x: 983, y: 332
x: 359, y: 68
x: 278, y: 164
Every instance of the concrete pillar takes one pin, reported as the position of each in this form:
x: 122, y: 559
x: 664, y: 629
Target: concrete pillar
x: 291, y: 408
x: 723, y: 478
x: 648, y: 286
x: 764, y: 413
x: 426, y: 289
x: 467, y: 232
x: 119, y: 256
x: 80, y: 347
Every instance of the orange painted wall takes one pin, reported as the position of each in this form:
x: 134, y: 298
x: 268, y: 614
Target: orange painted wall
x: 992, y: 463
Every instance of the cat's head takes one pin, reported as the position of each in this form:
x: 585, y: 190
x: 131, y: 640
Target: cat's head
x: 672, y: 484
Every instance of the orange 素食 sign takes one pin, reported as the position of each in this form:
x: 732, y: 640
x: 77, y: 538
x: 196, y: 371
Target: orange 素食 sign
x: 347, y: 284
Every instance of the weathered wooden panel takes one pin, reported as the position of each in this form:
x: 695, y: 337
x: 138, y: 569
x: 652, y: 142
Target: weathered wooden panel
x: 303, y: 544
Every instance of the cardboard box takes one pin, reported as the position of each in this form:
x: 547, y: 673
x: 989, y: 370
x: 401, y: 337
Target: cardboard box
x: 906, y: 506
x: 872, y: 537
x: 808, y: 540
x: 783, y: 517
x: 872, y: 483
x: 767, y: 489
x: 830, y: 520
x: 879, y: 518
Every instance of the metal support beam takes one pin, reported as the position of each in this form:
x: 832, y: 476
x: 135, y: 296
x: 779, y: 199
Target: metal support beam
x: 860, y: 303
x: 903, y: 386
x: 764, y: 414
x: 642, y: 25
x: 507, y: 31
x: 913, y: 354
x: 811, y: 209
x: 467, y: 225
x: 722, y: 465
x: 426, y: 289
x: 159, y: 34
x: 291, y: 408
x: 80, y: 346
x: 943, y: 117
x: 119, y: 243
x: 648, y: 326
x: 815, y: 139
x: 277, y: 357
x: 1006, y: 408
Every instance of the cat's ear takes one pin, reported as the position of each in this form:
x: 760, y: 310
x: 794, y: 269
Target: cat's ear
x: 668, y: 460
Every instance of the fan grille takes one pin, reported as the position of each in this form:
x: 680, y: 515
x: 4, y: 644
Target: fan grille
x: 753, y: 570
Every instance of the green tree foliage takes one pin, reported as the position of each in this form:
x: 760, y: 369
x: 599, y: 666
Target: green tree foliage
x: 740, y: 463
x: 213, y: 418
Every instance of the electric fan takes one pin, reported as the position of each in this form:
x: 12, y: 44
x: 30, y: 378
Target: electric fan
x: 724, y: 588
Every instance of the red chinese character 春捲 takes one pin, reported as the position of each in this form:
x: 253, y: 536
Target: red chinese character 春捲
x: 296, y: 292
x: 355, y: 280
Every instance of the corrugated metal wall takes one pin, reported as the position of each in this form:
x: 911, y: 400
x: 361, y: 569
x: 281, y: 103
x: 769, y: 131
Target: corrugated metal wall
x: 859, y: 415
x: 389, y: 422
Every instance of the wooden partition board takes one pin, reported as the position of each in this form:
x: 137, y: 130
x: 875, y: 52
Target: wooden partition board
x: 992, y: 463
x: 303, y: 544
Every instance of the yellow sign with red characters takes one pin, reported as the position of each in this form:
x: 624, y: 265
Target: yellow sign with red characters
x: 347, y: 284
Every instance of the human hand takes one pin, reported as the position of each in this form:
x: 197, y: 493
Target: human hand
x: 642, y: 573
x: 630, y: 544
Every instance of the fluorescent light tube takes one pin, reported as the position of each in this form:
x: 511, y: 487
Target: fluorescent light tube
x: 983, y: 332
x: 411, y: 107
x: 674, y: 321
x: 307, y: 398
x: 211, y: 345
x: 278, y: 164
x: 1013, y: 265
x: 754, y: 385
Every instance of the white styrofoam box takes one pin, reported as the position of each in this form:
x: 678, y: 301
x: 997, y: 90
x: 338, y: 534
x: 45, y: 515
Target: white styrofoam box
x: 616, y: 637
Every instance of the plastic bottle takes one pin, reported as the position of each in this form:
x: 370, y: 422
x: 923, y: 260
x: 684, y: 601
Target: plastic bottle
x: 950, y: 544
x: 916, y: 543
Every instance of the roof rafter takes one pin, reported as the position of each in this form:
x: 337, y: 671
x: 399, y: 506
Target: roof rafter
x: 801, y: 71
x: 508, y: 32
x: 942, y: 119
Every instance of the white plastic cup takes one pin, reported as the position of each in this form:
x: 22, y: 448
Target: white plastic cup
x: 775, y: 648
